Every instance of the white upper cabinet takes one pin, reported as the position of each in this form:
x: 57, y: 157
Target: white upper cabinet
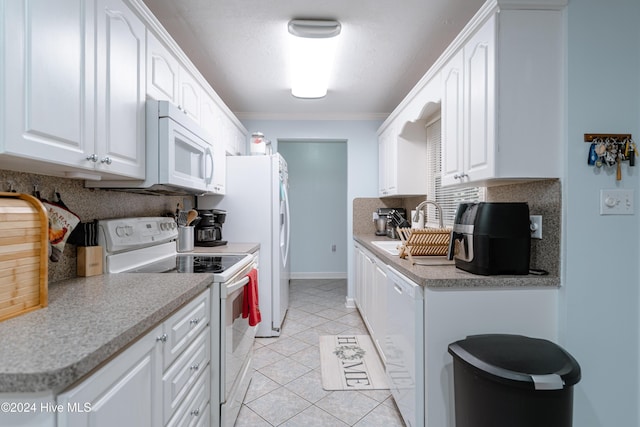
x: 57, y: 87
x: 190, y: 95
x: 499, y: 91
x: 468, y: 110
x: 47, y: 83
x: 502, y: 101
x: 452, y: 109
x: 162, y: 71
x: 121, y: 94
x: 211, y: 117
x: 75, y: 76
x: 402, y: 160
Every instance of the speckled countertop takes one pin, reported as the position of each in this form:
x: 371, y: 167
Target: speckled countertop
x: 87, y: 321
x: 448, y: 276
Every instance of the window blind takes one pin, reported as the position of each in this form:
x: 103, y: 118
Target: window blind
x: 447, y: 198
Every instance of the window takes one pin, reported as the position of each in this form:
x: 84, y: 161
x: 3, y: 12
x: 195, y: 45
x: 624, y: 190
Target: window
x: 447, y: 198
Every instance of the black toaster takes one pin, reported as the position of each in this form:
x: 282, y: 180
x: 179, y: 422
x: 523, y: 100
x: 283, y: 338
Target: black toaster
x: 491, y: 238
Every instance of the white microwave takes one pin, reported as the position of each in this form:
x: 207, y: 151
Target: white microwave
x: 179, y: 155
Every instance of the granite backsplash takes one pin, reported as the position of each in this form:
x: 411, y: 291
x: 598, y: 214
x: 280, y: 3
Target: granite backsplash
x: 544, y: 198
x: 88, y: 204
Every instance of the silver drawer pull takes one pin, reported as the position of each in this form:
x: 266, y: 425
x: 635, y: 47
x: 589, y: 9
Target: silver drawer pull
x: 195, y: 412
x: 162, y: 338
x: 93, y: 158
x: 107, y: 160
x: 194, y: 321
x: 195, y: 367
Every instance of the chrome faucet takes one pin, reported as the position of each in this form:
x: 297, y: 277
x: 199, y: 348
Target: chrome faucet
x: 416, y: 216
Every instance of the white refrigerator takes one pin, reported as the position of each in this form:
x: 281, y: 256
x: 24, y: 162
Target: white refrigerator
x: 257, y: 206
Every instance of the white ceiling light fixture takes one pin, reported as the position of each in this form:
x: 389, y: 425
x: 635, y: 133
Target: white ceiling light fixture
x: 313, y: 44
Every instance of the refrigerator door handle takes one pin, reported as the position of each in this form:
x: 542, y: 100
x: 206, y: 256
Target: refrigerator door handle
x: 287, y: 223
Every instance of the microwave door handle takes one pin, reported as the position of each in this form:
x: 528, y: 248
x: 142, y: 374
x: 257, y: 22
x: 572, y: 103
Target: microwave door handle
x: 208, y: 155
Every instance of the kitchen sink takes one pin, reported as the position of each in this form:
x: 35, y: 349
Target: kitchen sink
x: 389, y: 246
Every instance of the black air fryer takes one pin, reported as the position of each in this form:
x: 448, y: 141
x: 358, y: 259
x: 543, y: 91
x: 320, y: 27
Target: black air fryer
x: 491, y: 238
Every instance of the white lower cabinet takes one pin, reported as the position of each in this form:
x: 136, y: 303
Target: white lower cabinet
x: 416, y: 324
x: 123, y: 392
x: 371, y: 283
x: 162, y: 379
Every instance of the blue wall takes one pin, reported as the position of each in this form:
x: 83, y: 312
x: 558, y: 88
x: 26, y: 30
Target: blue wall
x: 318, y: 200
x: 362, y: 156
x: 600, y: 298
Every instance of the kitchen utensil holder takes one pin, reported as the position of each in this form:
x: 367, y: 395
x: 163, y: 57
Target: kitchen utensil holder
x: 185, y: 239
x: 423, y: 242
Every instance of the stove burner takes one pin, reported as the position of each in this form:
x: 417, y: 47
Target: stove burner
x: 205, y: 263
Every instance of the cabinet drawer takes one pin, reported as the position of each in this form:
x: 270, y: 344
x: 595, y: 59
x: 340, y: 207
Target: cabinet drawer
x: 194, y: 411
x: 177, y: 380
x: 183, y: 327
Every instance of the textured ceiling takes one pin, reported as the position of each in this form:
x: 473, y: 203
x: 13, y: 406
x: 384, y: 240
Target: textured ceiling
x: 386, y: 46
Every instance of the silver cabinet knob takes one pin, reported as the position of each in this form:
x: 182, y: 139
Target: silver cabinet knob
x: 93, y: 158
x: 107, y: 160
x: 162, y: 338
x: 194, y: 367
x: 194, y: 321
x: 195, y: 412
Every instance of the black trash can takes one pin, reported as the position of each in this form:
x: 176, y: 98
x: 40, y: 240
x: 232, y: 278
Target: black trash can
x: 512, y: 381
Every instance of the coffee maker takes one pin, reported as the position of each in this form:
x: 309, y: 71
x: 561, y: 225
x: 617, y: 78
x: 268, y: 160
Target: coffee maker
x: 208, y: 232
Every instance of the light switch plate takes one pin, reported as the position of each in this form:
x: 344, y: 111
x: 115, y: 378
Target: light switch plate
x: 616, y: 202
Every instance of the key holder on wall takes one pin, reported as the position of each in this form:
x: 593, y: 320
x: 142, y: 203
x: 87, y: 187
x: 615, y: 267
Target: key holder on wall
x: 611, y: 149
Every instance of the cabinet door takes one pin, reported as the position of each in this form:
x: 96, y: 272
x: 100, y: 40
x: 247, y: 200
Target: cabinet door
x: 211, y: 122
x: 190, y: 95
x: 479, y: 120
x: 162, y: 71
x: 124, y: 392
x: 387, y: 162
x: 47, y: 81
x: 452, y: 120
x: 184, y: 326
x: 120, y: 114
x: 379, y: 308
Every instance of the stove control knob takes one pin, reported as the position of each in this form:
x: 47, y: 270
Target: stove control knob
x: 129, y: 230
x: 163, y: 226
x: 120, y: 231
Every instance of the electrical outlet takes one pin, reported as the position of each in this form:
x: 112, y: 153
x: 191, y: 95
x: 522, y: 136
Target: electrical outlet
x: 616, y: 202
x: 535, y: 225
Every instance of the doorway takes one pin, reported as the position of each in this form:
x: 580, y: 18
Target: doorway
x: 318, y: 204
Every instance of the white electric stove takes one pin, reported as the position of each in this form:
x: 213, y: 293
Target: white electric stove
x: 148, y: 245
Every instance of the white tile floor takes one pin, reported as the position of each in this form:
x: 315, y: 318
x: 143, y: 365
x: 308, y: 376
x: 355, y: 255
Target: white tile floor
x: 286, y: 389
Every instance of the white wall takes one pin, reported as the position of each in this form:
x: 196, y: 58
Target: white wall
x: 362, y: 157
x: 318, y: 206
x: 600, y: 297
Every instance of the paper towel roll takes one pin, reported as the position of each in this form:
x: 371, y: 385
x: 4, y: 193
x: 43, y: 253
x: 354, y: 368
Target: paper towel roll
x: 420, y: 222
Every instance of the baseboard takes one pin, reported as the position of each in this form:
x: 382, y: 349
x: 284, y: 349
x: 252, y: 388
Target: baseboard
x: 319, y: 275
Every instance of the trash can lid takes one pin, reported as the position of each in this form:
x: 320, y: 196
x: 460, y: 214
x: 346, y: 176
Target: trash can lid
x: 518, y: 360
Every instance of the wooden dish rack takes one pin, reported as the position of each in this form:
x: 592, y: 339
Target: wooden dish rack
x: 423, y: 242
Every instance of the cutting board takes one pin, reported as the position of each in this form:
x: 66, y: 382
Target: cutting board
x: 24, y: 246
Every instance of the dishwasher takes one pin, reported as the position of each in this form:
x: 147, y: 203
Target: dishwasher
x: 404, y: 346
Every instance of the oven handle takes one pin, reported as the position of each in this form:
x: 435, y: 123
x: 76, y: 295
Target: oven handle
x: 231, y: 288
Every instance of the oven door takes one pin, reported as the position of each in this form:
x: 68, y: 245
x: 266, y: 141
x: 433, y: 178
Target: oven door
x: 237, y: 337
